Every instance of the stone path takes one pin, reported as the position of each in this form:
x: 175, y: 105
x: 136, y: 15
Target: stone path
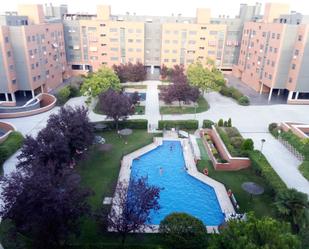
x: 152, y: 110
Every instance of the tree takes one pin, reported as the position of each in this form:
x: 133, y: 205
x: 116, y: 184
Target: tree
x: 130, y: 72
x: 247, y: 145
x: 229, y: 122
x: 181, y: 230
x: 115, y: 105
x: 43, y: 207
x: 132, y: 205
x: 255, y: 233
x: 293, y: 206
x: 164, y: 72
x: 99, y: 82
x: 201, y: 77
x: 178, y: 74
x: 135, y: 98
x: 67, y: 135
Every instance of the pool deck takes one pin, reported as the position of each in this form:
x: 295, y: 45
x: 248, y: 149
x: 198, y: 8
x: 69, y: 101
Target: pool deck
x: 223, y: 199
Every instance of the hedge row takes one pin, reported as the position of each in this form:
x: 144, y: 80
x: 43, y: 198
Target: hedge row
x: 260, y: 164
x: 131, y: 124
x: 10, y: 145
x: 234, y: 93
x: 180, y: 124
x: 207, y: 123
x: 113, y: 246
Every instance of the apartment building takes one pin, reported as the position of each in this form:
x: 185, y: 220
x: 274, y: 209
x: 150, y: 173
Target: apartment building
x: 32, y: 58
x: 106, y: 39
x: 272, y: 55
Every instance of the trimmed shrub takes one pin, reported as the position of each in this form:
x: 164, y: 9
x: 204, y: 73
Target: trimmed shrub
x: 10, y: 145
x: 260, y: 164
x: 220, y: 122
x: 131, y: 124
x: 74, y: 91
x: 225, y: 124
x: 229, y: 122
x: 225, y: 91
x: 244, y: 100
x: 207, y: 123
x: 304, y: 169
x: 63, y: 95
x: 247, y: 145
x: 237, y: 142
x: 232, y: 132
x: 180, y: 124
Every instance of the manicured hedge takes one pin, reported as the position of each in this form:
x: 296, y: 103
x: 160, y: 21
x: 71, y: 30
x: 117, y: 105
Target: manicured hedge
x: 10, y: 145
x: 234, y: 93
x: 207, y: 123
x: 113, y: 246
x: 181, y: 124
x: 132, y: 124
x: 296, y: 142
x: 260, y: 164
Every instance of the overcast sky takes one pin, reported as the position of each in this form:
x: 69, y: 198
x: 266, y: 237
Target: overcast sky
x: 158, y: 7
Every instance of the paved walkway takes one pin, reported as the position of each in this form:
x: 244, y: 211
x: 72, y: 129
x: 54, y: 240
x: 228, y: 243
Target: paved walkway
x: 252, y: 121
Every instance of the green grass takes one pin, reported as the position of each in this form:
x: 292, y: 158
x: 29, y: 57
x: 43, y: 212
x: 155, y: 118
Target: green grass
x: 136, y: 86
x: 261, y: 205
x: 100, y: 173
x: 13, y: 143
x: 304, y: 169
x: 202, y: 107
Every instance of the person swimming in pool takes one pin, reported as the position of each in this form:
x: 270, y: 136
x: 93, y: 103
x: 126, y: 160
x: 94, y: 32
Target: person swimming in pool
x: 161, y: 171
x: 171, y: 147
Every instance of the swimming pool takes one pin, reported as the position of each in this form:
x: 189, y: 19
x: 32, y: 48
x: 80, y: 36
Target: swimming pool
x: 142, y: 96
x: 181, y: 192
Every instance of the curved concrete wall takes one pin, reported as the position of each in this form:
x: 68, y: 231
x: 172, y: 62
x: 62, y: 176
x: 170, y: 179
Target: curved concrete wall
x: 47, y: 102
x: 8, y: 128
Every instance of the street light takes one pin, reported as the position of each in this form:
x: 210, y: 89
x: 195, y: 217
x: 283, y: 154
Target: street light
x: 262, y: 141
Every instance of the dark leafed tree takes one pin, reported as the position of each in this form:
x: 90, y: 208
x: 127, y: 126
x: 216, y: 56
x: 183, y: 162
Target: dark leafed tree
x: 67, y: 135
x: 43, y: 207
x: 75, y: 126
x: 130, y: 72
x: 115, y: 105
x: 180, y: 92
x: 131, y: 209
x: 50, y: 146
x: 135, y: 98
x: 178, y: 74
x: 164, y: 72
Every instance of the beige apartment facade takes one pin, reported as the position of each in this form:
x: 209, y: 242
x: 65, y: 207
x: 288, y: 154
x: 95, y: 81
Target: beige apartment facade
x: 273, y: 56
x: 32, y: 56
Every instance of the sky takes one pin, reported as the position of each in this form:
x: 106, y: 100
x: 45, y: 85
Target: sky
x: 159, y: 7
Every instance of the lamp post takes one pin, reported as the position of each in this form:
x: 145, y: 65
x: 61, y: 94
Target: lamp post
x: 195, y: 105
x: 262, y: 141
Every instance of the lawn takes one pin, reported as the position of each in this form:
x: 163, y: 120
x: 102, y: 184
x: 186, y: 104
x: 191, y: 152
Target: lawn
x: 202, y: 107
x: 136, y: 86
x: 100, y: 173
x: 261, y: 205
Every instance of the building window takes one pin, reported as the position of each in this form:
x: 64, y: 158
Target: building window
x: 8, y: 53
x: 114, y: 49
x: 296, y: 52
x: 130, y: 30
x: 203, y: 27
x: 175, y: 32
x: 14, y: 81
x: 272, y: 63
x: 138, y: 40
x: 114, y: 58
x: 138, y: 50
x: 174, y: 51
x: 201, y: 48
x: 300, y: 37
x: 6, y: 39
x: 114, y: 40
x: 166, y: 60
x: 174, y: 60
x: 270, y: 49
x: 264, y: 34
x: 130, y: 40
x: 275, y: 50
x: 213, y: 32
x: 102, y: 24
x: 167, y: 32
x: 139, y: 31
x: 270, y: 76
x: 30, y: 53
x: 192, y: 42
x: 130, y: 49
x: 268, y: 62
x: 113, y: 30
x: 39, y: 77
x: 34, y: 78
x: 166, y: 51
x: 33, y: 38
x: 278, y: 36
x: 273, y: 35
x: 12, y: 67
x: 28, y: 38
x: 293, y: 66
x: 166, y: 41
x: 202, y: 38
x: 175, y: 42
x: 192, y: 32
x: 290, y: 80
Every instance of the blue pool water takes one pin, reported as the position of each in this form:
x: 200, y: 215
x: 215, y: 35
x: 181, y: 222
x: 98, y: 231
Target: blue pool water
x: 181, y: 192
x: 142, y: 96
